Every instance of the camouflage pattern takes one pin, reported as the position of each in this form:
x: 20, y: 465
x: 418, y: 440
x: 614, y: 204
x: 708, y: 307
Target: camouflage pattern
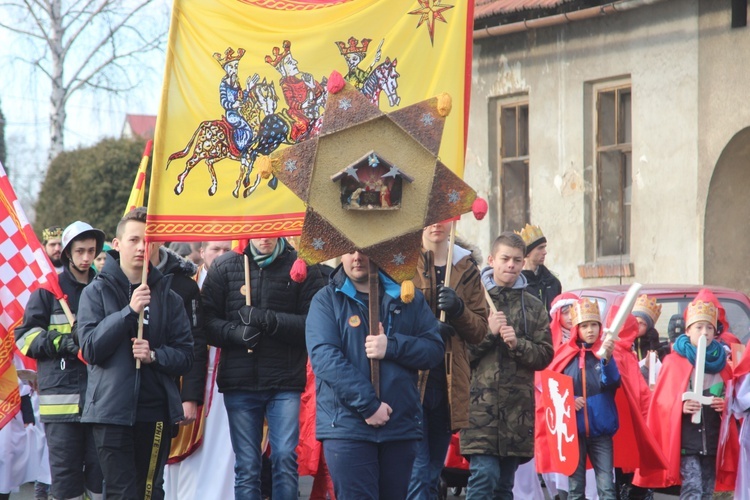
x: 501, y: 412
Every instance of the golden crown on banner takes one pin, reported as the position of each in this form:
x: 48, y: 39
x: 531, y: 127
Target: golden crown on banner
x: 277, y: 55
x: 229, y: 56
x: 353, y: 47
x: 649, y: 306
x: 585, y: 310
x: 701, y: 311
x: 530, y: 234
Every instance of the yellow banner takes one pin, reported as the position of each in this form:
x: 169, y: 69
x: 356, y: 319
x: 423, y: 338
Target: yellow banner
x: 246, y: 77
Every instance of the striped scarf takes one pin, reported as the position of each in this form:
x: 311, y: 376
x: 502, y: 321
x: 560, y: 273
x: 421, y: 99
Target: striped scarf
x: 265, y: 260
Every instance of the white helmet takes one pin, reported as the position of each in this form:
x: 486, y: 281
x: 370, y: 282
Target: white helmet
x: 76, y: 231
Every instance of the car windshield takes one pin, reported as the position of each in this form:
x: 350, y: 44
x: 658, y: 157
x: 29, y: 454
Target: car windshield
x: 738, y: 315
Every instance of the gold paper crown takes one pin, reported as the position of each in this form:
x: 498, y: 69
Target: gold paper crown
x: 648, y: 306
x: 585, y: 310
x: 277, y: 55
x: 530, y: 234
x: 229, y: 56
x: 352, y: 48
x: 701, y: 311
x: 52, y: 233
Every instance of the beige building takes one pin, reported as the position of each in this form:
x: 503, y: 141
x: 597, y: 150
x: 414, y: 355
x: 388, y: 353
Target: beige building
x: 622, y: 128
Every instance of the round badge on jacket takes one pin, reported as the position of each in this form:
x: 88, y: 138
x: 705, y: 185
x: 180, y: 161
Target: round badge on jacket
x: 354, y: 321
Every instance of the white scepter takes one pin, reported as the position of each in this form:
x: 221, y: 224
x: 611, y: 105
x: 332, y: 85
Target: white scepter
x: 697, y: 393
x: 613, y: 330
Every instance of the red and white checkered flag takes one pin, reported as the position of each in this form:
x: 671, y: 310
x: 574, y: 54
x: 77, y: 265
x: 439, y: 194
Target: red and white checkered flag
x: 24, y: 267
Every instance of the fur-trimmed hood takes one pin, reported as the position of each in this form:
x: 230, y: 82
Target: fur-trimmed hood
x: 170, y: 262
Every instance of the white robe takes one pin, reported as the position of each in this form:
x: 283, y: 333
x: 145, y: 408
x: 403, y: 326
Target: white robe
x: 741, y: 409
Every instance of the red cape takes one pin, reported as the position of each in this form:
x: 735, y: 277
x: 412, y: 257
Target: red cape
x: 309, y: 449
x: 665, y: 421
x: 632, y: 407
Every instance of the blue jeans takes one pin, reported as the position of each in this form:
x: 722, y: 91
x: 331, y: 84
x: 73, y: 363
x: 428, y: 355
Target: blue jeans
x: 245, y: 411
x: 491, y: 477
x: 363, y: 470
x: 432, y: 448
x: 600, y: 453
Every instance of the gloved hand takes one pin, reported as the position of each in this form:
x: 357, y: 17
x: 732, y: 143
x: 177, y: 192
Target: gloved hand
x: 449, y: 301
x: 74, y: 333
x: 68, y: 348
x: 445, y: 330
x: 51, y: 344
x: 244, y: 335
x: 262, y: 319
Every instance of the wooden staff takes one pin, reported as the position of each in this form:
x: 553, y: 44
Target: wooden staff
x: 247, y: 284
x: 374, y: 313
x: 144, y: 278
x: 449, y: 264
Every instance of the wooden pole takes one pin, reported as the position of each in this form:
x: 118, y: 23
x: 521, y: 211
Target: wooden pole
x: 374, y: 314
x: 248, y: 300
x: 144, y: 278
x: 449, y: 264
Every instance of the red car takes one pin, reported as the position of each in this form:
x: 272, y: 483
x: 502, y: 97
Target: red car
x: 674, y: 300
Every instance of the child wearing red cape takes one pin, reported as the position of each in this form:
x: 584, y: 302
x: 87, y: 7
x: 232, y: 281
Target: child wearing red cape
x: 699, y: 457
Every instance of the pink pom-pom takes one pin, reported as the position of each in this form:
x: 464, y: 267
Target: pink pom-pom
x: 335, y: 82
x: 479, y: 208
x: 299, y: 271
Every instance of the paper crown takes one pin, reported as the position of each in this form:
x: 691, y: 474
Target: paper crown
x: 701, y: 311
x: 530, y: 234
x: 277, y: 55
x: 352, y: 47
x: 648, y: 305
x: 52, y: 233
x: 585, y: 310
x: 229, y: 56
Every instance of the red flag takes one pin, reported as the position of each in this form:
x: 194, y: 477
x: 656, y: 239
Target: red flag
x: 560, y: 422
x: 24, y: 267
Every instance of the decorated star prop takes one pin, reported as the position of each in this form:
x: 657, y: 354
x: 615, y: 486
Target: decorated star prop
x: 372, y: 181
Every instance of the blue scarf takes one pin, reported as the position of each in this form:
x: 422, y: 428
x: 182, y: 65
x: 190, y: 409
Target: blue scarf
x: 716, y: 356
x: 265, y: 260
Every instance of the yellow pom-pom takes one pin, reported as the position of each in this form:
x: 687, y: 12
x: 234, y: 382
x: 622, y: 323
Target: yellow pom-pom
x: 444, y: 104
x: 407, y: 291
x: 263, y: 163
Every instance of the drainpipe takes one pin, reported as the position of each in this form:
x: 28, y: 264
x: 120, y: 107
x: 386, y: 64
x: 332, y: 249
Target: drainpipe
x: 557, y: 19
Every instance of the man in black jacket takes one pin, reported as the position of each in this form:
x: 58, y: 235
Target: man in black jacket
x: 542, y: 284
x: 262, y: 368
x: 47, y: 336
x: 133, y: 410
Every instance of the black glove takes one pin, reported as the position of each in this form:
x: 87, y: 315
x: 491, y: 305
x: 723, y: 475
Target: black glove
x: 445, y: 330
x: 262, y: 319
x: 50, y: 349
x: 244, y: 335
x: 449, y: 302
x: 68, y: 347
x: 74, y: 333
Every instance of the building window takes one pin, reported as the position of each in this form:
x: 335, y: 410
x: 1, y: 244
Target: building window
x: 614, y: 181
x: 514, y: 165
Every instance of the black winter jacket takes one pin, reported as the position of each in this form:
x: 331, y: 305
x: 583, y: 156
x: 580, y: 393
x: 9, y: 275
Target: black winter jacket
x: 106, y: 323
x: 278, y: 361
x: 62, y: 380
x: 543, y: 285
x: 193, y: 385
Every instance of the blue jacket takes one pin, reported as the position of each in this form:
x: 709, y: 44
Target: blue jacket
x: 336, y: 327
x: 602, y: 381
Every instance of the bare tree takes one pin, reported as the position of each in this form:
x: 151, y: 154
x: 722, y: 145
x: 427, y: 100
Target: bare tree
x: 83, y: 44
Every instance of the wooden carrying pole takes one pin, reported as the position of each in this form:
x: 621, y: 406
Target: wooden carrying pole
x: 247, y: 283
x: 449, y: 264
x: 144, y: 278
x: 374, y: 315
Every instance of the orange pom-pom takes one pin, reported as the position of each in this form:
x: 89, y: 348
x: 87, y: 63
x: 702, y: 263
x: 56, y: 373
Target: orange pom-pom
x: 479, y: 208
x: 299, y: 271
x: 335, y: 82
x: 407, y: 291
x: 444, y: 104
x: 264, y: 166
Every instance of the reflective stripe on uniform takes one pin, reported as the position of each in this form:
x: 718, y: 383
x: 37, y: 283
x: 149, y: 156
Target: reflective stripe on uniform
x: 25, y: 341
x: 59, y: 404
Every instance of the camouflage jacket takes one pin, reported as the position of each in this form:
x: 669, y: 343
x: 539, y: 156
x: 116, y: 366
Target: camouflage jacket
x: 501, y: 411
